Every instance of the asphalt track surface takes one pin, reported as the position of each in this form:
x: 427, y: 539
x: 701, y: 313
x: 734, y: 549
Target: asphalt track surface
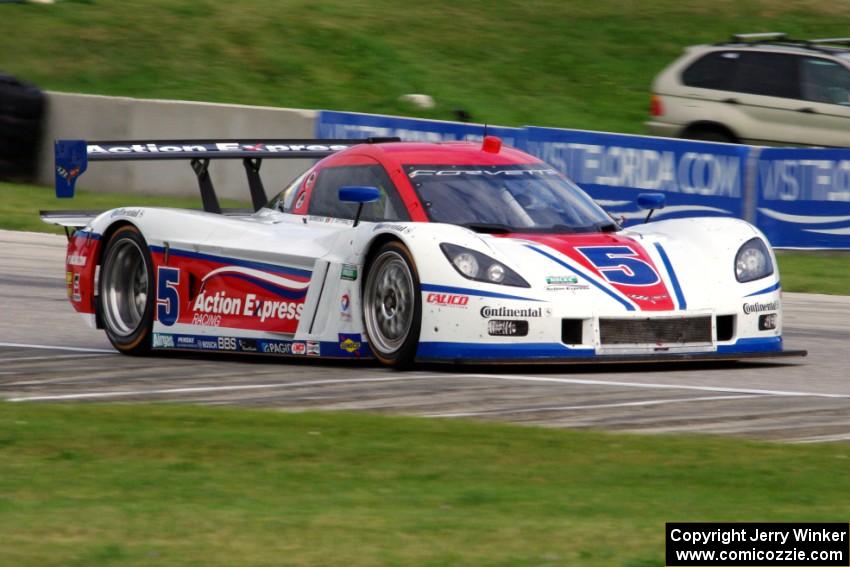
x: 47, y: 353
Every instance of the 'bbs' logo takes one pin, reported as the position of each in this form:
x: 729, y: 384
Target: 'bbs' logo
x: 447, y: 299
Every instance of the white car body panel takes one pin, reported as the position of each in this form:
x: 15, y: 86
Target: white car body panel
x: 323, y: 247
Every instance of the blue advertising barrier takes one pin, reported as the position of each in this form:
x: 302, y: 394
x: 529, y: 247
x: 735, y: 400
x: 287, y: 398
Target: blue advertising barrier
x: 337, y: 125
x: 804, y: 197
x: 800, y: 198
x: 698, y: 178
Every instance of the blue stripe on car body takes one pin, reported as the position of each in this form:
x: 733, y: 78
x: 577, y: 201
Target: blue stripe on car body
x: 677, y: 289
x: 774, y: 287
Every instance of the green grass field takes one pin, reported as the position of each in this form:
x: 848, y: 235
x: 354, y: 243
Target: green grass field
x: 580, y: 63
x: 169, y: 485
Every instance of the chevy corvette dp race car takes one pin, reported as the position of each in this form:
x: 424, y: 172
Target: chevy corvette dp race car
x: 462, y: 251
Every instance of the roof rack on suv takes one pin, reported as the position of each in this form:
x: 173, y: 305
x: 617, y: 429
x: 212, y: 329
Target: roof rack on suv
x: 830, y: 40
x: 756, y: 37
x: 826, y: 45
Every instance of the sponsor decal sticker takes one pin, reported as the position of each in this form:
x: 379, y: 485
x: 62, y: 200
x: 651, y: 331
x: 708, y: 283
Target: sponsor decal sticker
x: 220, y: 303
x: 277, y: 348
x: 350, y: 342
x: 488, y: 312
x: 298, y: 348
x: 345, y: 306
x: 133, y: 213
x: 163, y: 341
x: 564, y: 283
x: 69, y: 283
x: 495, y: 173
x: 760, y: 307
x: 68, y: 174
x: 349, y: 272
x: 77, y: 260
x: 577, y: 287
x: 248, y: 345
x: 561, y: 280
x: 393, y: 227
x: 185, y: 341
x: 650, y: 298
x: 313, y: 348
x: 311, y: 180
x: 76, y: 296
x: 213, y: 147
x: 447, y: 299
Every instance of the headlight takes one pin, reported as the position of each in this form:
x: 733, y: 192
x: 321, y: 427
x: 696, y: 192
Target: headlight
x: 753, y: 261
x: 480, y: 267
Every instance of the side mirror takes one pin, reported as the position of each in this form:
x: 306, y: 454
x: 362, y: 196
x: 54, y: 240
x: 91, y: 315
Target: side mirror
x: 360, y: 195
x: 650, y: 202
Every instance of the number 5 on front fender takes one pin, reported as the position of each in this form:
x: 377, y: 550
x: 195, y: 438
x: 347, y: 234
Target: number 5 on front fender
x: 620, y: 265
x: 167, y: 296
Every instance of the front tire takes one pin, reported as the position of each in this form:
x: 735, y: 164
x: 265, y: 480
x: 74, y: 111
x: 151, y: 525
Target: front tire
x: 392, y: 306
x: 126, y: 292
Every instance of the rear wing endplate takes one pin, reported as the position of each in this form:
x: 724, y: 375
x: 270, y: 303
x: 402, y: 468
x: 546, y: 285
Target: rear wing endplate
x: 72, y: 158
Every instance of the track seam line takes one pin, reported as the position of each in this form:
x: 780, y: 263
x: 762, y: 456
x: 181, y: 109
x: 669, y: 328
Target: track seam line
x: 659, y: 386
x: 200, y: 389
x: 53, y: 347
x: 52, y: 357
x: 595, y: 406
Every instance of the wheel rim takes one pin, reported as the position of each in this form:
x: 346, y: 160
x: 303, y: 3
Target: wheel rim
x: 125, y: 287
x: 389, y: 302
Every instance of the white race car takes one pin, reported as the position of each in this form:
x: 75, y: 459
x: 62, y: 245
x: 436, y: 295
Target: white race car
x: 458, y: 252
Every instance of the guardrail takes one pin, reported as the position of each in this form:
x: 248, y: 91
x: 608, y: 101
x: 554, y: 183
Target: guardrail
x: 799, y: 197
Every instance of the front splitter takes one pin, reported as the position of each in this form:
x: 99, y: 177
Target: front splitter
x: 624, y: 359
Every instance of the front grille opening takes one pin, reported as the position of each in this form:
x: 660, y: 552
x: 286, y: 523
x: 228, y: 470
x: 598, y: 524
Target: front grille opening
x: 571, y: 331
x: 725, y: 327
x: 686, y: 330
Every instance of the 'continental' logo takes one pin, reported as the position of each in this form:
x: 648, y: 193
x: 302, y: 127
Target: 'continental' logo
x: 488, y: 312
x: 760, y: 307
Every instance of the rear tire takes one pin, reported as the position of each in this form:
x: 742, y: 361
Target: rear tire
x: 126, y: 289
x: 392, y: 306
x: 710, y: 135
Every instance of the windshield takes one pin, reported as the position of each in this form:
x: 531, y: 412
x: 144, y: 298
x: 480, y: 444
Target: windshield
x: 515, y: 198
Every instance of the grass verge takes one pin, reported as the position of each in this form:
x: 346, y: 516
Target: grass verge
x: 163, y: 485
x: 815, y: 272
x: 580, y: 64
x: 20, y: 204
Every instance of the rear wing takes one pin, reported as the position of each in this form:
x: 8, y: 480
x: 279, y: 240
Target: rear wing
x: 73, y: 156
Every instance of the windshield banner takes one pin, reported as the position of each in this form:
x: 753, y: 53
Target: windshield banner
x: 698, y: 178
x: 355, y: 125
x: 804, y: 197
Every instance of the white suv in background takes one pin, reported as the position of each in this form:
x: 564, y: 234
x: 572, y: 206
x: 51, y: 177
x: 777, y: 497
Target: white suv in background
x: 761, y: 89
